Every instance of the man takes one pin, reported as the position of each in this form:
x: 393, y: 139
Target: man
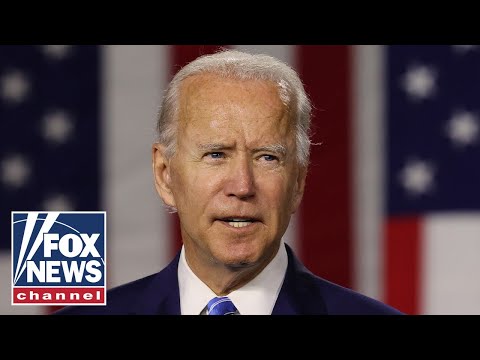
x: 231, y: 160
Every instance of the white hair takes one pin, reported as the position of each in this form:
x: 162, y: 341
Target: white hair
x: 243, y: 66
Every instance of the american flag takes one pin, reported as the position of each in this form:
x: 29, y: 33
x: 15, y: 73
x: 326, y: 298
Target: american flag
x: 432, y: 178
x: 390, y: 207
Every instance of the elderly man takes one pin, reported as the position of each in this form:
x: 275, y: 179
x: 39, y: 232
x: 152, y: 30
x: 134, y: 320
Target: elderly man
x: 231, y: 160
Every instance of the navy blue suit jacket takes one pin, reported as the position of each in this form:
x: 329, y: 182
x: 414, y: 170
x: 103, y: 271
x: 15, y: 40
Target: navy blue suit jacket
x: 302, y: 293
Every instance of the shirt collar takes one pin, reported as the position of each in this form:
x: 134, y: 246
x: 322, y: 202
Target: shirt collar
x: 257, y: 297
x: 194, y: 294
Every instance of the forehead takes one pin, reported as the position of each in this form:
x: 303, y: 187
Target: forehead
x: 209, y: 86
x: 207, y: 98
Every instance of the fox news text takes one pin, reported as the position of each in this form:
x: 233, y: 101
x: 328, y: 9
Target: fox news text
x: 58, y: 258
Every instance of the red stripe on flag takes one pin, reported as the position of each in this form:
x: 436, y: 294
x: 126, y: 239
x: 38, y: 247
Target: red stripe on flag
x: 326, y: 221
x: 402, y: 267
x: 180, y: 56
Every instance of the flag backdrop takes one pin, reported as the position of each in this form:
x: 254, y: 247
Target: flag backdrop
x: 391, y: 206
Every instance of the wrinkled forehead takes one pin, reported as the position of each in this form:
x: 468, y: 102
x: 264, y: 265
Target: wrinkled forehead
x: 209, y: 86
x: 224, y: 109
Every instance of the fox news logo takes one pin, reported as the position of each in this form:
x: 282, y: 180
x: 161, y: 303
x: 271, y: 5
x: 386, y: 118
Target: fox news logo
x: 58, y: 258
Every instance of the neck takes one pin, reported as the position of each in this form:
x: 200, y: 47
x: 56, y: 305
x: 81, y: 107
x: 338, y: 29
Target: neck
x: 222, y: 279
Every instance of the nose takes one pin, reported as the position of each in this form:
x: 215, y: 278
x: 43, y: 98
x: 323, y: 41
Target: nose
x: 240, y: 180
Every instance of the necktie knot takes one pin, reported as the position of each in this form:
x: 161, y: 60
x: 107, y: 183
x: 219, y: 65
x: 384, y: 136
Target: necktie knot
x: 221, y: 305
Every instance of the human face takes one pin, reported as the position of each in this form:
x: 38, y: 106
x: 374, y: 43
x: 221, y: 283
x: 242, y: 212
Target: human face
x: 234, y: 178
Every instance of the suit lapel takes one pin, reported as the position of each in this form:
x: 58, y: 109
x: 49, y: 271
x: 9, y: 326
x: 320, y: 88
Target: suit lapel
x: 295, y: 297
x: 161, y: 296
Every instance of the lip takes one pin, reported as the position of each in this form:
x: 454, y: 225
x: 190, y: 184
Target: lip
x: 242, y: 217
x: 243, y: 229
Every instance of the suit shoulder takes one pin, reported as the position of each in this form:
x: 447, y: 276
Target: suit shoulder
x: 316, y: 295
x: 340, y: 300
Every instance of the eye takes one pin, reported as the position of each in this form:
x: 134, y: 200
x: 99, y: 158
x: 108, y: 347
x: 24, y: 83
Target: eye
x: 269, y: 158
x: 215, y: 155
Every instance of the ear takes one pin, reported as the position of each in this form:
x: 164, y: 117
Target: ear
x: 299, y: 187
x: 161, y: 172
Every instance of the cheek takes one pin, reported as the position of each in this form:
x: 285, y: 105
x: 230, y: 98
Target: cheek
x: 284, y: 193
x: 181, y: 186
x: 193, y: 188
x: 275, y: 192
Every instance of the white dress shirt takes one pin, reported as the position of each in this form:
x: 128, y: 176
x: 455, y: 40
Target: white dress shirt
x: 258, y: 297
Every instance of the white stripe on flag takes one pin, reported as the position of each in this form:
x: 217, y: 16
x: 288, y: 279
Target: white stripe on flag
x: 138, y: 234
x: 367, y: 128
x: 6, y: 291
x: 451, y: 253
x: 286, y: 53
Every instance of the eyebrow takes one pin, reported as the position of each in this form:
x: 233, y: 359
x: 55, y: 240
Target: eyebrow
x: 275, y: 148
x: 213, y: 146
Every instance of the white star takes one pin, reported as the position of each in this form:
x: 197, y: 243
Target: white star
x: 462, y: 49
x: 57, y: 126
x: 417, y: 177
x: 57, y: 52
x: 419, y: 82
x: 58, y: 202
x: 15, y: 171
x: 462, y: 128
x: 15, y: 86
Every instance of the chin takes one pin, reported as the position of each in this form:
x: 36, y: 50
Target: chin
x: 240, y: 255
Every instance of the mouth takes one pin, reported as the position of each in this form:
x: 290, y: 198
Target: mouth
x: 238, y: 221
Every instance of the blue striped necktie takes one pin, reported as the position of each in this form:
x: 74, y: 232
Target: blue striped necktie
x: 221, y: 306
